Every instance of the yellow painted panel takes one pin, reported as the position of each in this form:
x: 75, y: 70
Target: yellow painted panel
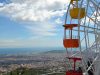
x: 74, y: 12
x: 73, y: 0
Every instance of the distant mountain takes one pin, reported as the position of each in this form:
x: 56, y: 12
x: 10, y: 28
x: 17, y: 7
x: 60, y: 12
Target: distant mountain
x: 55, y: 51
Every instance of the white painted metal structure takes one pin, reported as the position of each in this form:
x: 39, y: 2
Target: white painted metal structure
x: 89, y: 35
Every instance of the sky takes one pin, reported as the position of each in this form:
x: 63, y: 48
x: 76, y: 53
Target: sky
x: 32, y: 23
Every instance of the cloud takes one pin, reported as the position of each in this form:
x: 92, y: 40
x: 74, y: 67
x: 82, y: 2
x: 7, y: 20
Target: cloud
x: 44, y: 29
x: 34, y: 10
x: 58, y: 21
x: 38, y: 12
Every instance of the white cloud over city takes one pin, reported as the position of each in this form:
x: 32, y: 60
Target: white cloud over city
x: 41, y: 17
x: 36, y: 11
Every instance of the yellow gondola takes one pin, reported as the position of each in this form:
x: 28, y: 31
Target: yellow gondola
x: 73, y: 0
x: 74, y: 13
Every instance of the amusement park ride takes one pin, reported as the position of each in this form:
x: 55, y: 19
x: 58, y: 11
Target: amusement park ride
x: 81, y: 28
x: 82, y: 37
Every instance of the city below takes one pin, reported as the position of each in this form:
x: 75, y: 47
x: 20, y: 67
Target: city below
x: 53, y: 60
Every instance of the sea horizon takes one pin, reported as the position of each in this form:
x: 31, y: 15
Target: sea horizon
x: 26, y: 51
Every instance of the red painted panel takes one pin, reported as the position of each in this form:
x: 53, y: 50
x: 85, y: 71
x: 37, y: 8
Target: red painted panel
x: 71, y: 72
x: 71, y: 43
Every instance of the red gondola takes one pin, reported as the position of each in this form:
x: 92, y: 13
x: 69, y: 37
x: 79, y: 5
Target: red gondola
x: 74, y: 71
x: 70, y: 42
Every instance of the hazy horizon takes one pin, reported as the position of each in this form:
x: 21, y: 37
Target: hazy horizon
x: 23, y: 51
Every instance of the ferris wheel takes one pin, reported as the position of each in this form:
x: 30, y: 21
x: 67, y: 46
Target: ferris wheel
x: 82, y: 37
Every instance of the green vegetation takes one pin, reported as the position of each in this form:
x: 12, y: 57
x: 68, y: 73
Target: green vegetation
x: 57, y: 74
x: 25, y: 71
